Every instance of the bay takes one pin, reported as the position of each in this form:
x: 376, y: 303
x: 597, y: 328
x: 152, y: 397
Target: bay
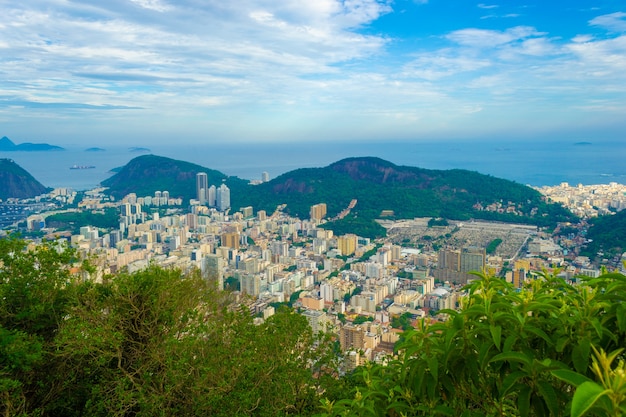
x: 534, y: 163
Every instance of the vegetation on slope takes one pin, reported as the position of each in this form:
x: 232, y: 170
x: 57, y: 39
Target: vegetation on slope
x: 607, y: 234
x: 376, y: 184
x: 72, y: 221
x: 155, y: 342
x: 16, y: 182
x: 149, y: 173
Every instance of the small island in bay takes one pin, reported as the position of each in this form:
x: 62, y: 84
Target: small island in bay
x: 138, y: 149
x: 95, y: 150
x: 582, y: 143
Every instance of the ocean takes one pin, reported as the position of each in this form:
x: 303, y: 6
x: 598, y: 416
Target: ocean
x: 532, y: 163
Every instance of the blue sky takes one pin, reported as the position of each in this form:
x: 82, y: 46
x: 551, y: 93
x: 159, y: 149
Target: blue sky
x: 147, y: 71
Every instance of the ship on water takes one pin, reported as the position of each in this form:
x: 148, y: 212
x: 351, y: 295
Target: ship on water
x: 82, y: 167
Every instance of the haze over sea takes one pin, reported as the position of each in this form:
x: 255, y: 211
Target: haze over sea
x: 534, y: 163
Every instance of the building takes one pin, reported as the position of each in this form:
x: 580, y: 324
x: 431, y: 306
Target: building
x: 265, y: 176
x: 202, y: 187
x: 213, y: 269
x: 318, y: 212
x: 222, y: 198
x: 346, y: 244
x: 351, y: 337
x: 211, y: 196
x: 317, y: 320
x: 230, y: 240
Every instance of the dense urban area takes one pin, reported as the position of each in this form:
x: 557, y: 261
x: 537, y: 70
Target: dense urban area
x: 354, y: 285
x: 363, y: 293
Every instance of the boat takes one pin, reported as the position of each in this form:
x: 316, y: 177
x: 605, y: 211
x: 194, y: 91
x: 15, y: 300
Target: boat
x: 82, y: 167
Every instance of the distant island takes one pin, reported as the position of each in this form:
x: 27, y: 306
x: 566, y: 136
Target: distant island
x: 95, y: 150
x: 137, y: 149
x: 582, y: 143
x: 7, y: 145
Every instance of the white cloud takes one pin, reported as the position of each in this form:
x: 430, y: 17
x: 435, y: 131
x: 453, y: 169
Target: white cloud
x: 487, y: 6
x: 156, y: 5
x: 614, y: 21
x: 483, y: 38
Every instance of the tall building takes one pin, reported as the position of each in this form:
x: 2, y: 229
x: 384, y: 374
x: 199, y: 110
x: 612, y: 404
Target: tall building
x: 211, y: 196
x: 346, y: 244
x: 473, y: 259
x: 202, y: 187
x: 213, y: 269
x: 230, y: 240
x: 351, y: 336
x: 265, y: 176
x: 223, y: 198
x: 318, y: 212
x: 250, y: 284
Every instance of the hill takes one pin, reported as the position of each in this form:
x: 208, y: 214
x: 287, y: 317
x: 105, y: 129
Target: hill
x: 149, y: 173
x: 376, y: 184
x: 7, y: 145
x: 408, y: 192
x: 16, y: 182
x: 607, y: 234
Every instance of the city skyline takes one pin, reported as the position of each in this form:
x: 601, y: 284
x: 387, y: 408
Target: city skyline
x: 157, y: 71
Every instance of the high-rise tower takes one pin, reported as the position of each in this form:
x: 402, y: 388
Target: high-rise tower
x: 223, y: 198
x: 202, y: 187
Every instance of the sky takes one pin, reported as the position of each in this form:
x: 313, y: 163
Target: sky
x: 203, y: 71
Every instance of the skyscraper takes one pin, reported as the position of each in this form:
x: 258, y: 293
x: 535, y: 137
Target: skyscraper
x: 223, y: 198
x: 202, y: 187
x: 211, y: 196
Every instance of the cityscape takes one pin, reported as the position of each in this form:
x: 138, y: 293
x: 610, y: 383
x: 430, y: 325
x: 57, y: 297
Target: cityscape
x: 322, y: 208
x: 334, y: 281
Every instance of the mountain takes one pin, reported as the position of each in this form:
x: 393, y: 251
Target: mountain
x: 15, y: 182
x: 7, y: 145
x: 376, y: 184
x: 146, y: 174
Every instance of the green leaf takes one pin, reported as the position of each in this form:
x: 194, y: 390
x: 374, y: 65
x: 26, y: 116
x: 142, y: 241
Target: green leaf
x: 523, y: 401
x: 511, y: 357
x: 549, y: 396
x: 580, y: 355
x: 510, y: 380
x: 586, y: 395
x: 496, y: 335
x: 571, y: 377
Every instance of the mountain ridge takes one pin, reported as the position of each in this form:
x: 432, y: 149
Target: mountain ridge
x: 376, y: 184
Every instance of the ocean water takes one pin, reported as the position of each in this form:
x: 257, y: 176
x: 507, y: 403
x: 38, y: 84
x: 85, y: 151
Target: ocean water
x: 533, y: 163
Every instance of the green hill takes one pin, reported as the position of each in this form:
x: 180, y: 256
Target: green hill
x: 409, y: 192
x: 16, y: 182
x: 376, y: 184
x: 607, y: 234
x: 149, y: 173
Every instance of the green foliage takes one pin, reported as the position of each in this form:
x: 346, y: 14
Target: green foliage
x: 437, y: 222
x: 362, y: 319
x: 607, y: 234
x: 153, y: 342
x: 74, y: 220
x: 492, y: 246
x: 402, y: 322
x: 365, y: 227
x: 537, y: 352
